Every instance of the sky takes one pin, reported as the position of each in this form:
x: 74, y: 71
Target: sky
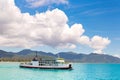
x: 82, y: 26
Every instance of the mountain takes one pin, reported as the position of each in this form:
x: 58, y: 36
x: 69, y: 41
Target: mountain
x: 27, y: 54
x: 89, y: 58
x: 100, y: 58
x: 71, y: 55
x: 6, y: 54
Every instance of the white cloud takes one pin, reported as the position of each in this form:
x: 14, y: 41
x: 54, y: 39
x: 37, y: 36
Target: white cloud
x: 70, y: 46
x: 98, y: 43
x: 84, y: 40
x: 48, y: 28
x: 117, y: 55
x: 39, y: 3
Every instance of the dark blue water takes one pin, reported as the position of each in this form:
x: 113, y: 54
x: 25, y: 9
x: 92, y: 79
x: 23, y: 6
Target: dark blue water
x: 11, y: 71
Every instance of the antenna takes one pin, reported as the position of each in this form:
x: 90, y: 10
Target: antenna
x: 36, y: 54
x: 35, y: 58
x: 58, y: 55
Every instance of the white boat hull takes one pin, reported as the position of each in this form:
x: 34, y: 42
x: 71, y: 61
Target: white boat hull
x: 46, y: 67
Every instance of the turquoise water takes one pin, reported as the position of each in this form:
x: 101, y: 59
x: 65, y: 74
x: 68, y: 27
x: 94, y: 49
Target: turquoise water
x: 11, y: 71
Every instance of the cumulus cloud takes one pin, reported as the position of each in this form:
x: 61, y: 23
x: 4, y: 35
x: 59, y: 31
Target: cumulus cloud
x: 39, y: 3
x: 117, y: 55
x: 48, y: 28
x: 84, y: 40
x: 70, y: 46
x: 98, y: 43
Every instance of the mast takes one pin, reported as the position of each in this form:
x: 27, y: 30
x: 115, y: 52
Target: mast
x: 36, y: 57
x: 58, y: 55
x: 36, y: 54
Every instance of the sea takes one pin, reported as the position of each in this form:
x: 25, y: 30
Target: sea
x: 80, y: 71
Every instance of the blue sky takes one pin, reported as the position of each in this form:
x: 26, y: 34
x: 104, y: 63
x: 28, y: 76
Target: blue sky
x: 98, y: 17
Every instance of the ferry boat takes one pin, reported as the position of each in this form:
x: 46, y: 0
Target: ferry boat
x: 59, y: 63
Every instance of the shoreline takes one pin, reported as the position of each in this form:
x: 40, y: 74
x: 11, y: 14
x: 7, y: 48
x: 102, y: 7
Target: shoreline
x: 71, y: 62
